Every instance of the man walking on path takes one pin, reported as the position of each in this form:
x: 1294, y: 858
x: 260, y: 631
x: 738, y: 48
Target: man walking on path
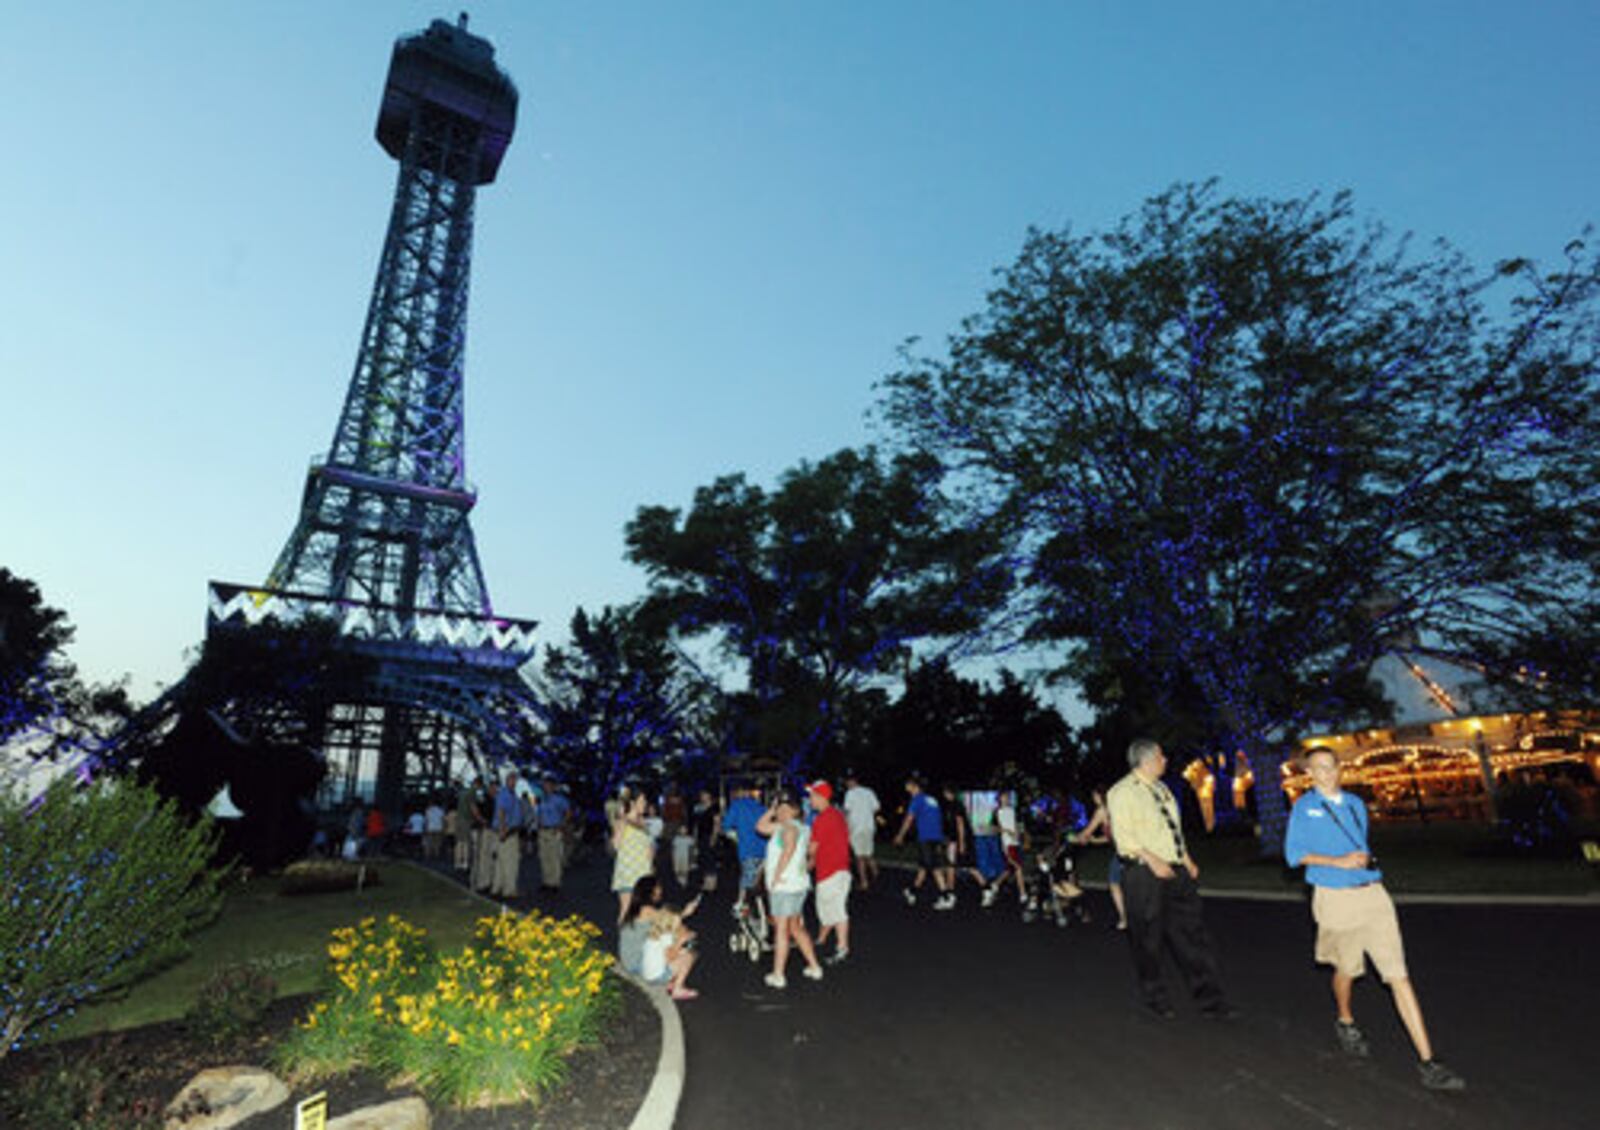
x: 923, y: 812
x: 507, y: 842
x: 1355, y: 916
x: 743, y: 815
x: 861, y: 811
x: 830, y: 861
x: 1160, y: 887
x: 554, y: 812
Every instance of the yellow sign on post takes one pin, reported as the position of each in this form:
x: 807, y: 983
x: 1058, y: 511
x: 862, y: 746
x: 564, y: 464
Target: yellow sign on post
x: 312, y: 1113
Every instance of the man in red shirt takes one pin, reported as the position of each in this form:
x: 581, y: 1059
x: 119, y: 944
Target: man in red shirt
x: 830, y: 860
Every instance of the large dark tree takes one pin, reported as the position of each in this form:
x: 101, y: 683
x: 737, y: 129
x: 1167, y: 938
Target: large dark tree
x: 1243, y: 447
x: 814, y: 589
x: 955, y: 729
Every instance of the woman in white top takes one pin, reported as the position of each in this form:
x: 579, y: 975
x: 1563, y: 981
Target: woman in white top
x: 787, y: 884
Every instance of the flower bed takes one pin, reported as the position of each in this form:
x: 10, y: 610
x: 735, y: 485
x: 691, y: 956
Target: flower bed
x: 490, y: 1024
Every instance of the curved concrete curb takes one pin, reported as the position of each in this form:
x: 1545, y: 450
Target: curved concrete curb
x: 660, y: 1106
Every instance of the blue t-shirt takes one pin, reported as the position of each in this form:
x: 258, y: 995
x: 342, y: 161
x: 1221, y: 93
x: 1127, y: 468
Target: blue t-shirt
x: 930, y: 819
x: 553, y: 809
x: 743, y: 814
x: 507, y: 809
x: 1318, y: 826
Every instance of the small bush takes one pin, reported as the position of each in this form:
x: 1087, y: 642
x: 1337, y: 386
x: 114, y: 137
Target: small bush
x: 231, y: 1002
x: 95, y: 1091
x: 490, y: 1024
x: 325, y: 876
x: 98, y: 886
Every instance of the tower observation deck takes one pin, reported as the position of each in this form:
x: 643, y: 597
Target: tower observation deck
x: 383, y: 550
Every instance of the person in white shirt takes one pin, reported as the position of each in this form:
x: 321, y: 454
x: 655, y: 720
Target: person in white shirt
x: 861, y: 813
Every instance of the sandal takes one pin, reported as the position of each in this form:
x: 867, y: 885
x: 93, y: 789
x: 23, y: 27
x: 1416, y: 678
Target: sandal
x: 683, y: 994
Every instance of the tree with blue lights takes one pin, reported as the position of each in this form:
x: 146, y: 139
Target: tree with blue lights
x: 814, y: 590
x: 616, y: 706
x: 1240, y: 446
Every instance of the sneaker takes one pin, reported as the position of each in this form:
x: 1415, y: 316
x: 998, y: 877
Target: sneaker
x: 1437, y: 1077
x: 1350, y: 1039
x: 683, y: 994
x: 1161, y: 1010
x: 989, y: 895
x: 910, y: 896
x: 1220, y: 1011
x: 945, y: 902
x: 836, y: 957
x: 776, y: 981
x: 814, y: 972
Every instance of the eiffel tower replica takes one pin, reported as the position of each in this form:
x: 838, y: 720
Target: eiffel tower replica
x: 383, y: 557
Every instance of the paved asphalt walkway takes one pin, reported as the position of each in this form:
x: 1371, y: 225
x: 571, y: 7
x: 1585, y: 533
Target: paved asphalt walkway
x: 970, y: 1019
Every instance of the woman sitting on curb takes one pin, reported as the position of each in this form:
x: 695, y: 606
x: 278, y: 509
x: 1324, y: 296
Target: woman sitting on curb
x: 653, y: 943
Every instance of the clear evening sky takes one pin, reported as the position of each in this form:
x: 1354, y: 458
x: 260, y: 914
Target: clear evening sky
x: 715, y: 225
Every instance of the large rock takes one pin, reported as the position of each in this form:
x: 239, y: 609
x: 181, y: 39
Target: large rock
x: 219, y: 1097
x: 402, y: 1114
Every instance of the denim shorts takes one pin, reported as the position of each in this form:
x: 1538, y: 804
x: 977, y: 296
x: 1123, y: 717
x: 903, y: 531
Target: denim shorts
x: 787, y: 904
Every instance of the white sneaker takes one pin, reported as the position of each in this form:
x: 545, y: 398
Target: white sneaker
x: 776, y: 980
x: 945, y: 902
x: 910, y: 896
x: 989, y: 895
x: 812, y: 971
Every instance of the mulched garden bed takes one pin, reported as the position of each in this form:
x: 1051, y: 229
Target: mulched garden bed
x: 141, y: 1069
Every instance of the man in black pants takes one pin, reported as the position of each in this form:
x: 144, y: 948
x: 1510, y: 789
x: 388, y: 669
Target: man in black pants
x: 1159, y: 886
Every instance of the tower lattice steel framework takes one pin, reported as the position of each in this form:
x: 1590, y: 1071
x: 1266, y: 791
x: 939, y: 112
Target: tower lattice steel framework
x: 383, y: 549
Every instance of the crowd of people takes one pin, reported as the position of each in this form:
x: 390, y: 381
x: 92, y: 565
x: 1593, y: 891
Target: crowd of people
x: 794, y: 846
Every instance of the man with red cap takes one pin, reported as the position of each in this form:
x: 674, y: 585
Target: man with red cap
x: 830, y: 860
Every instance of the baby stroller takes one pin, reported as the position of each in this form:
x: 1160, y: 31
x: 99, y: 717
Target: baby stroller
x: 1053, y: 891
x: 752, y: 930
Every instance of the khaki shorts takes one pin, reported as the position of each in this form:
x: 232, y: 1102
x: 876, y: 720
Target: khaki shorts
x: 861, y: 842
x: 832, y: 895
x: 1355, y: 923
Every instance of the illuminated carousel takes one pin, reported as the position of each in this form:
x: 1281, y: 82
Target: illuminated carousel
x: 1447, y: 754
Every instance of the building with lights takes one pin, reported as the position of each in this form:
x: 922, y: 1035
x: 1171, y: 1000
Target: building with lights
x: 1452, y: 746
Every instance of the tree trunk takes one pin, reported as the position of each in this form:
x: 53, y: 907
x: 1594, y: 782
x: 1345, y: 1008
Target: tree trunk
x: 1272, y: 811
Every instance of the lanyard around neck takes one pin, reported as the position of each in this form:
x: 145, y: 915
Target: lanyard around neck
x: 1159, y: 793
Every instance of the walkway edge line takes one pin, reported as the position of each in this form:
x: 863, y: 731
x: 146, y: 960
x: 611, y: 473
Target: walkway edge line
x: 660, y: 1107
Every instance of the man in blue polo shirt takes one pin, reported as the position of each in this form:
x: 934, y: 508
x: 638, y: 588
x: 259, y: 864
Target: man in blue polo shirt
x: 924, y: 812
x: 1355, y: 916
x: 554, y: 810
x: 744, y: 812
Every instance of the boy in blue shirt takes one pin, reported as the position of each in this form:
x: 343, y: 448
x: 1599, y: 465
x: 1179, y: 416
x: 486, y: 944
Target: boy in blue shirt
x: 1355, y: 916
x: 923, y: 811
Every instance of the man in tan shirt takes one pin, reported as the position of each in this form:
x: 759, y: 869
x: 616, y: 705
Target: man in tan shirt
x: 1159, y: 887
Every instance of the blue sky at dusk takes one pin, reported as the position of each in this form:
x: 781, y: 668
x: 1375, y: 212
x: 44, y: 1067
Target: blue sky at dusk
x: 714, y: 227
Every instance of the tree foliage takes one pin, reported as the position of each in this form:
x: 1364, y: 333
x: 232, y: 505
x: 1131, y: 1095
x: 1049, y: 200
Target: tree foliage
x: 814, y: 588
x: 615, y: 705
x: 957, y: 730
x: 1244, y: 447
x: 98, y: 886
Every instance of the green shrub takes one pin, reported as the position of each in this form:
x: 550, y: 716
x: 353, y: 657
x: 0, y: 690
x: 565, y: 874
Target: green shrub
x: 324, y: 876
x: 231, y: 1002
x: 98, y: 886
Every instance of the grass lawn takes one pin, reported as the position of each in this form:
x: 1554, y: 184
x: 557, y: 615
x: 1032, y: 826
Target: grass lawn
x: 287, y: 936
